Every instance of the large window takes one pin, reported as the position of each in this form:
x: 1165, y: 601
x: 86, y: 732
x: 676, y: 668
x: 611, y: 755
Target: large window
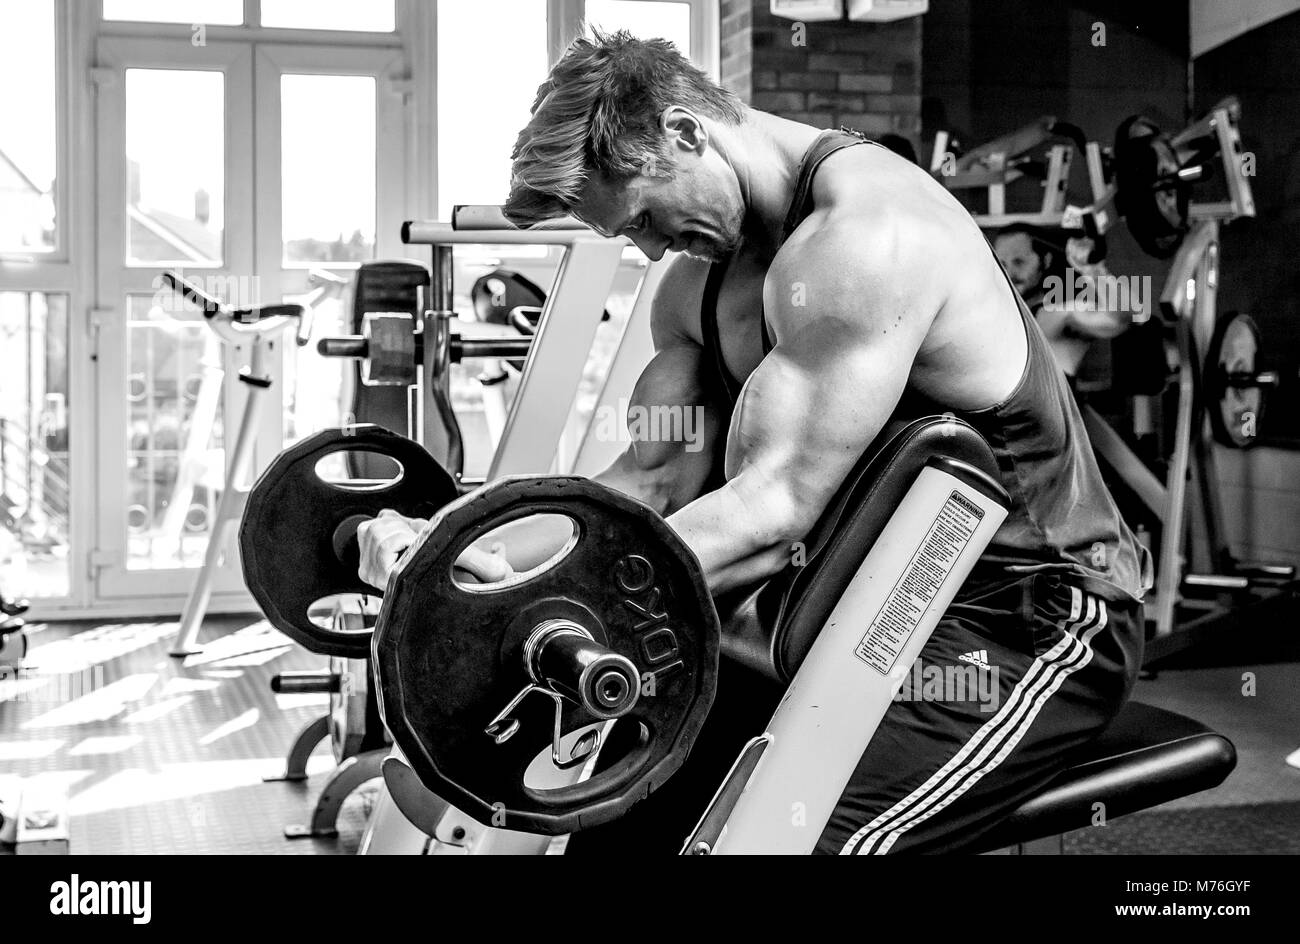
x: 492, y: 56
x: 327, y: 167
x: 35, y: 495
x: 34, y: 476
x: 212, y: 12
x: 175, y: 191
x: 246, y: 142
x: 662, y: 19
x: 366, y: 16
x: 28, y: 128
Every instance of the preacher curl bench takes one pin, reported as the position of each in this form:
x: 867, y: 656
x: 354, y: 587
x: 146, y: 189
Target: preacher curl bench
x: 835, y: 635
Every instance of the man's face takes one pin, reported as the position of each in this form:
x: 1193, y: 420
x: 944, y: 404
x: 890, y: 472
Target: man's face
x: 694, y: 206
x: 1016, y: 251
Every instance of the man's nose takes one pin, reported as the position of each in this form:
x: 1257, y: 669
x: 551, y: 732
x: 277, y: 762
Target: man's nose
x: 654, y: 246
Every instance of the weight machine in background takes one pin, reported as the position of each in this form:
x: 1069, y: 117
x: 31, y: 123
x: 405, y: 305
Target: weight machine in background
x: 1146, y: 179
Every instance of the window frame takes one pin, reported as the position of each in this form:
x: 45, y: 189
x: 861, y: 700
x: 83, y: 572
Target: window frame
x: 52, y: 263
x: 565, y: 19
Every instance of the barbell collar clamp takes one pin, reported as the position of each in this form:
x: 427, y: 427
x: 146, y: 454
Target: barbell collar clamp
x: 563, y: 657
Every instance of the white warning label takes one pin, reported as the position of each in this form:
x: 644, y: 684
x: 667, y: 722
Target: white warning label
x: 916, y: 589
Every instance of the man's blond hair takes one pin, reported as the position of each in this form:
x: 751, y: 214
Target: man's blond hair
x: 597, y: 115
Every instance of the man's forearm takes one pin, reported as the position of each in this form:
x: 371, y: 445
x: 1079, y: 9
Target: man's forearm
x: 645, y: 485
x: 737, y: 543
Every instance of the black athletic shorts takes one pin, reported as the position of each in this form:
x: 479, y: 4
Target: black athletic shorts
x: 1019, y: 674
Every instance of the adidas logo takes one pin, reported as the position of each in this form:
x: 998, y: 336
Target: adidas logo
x: 979, y: 657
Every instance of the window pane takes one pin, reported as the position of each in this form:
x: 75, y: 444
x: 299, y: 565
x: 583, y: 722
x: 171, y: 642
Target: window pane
x: 27, y: 127
x: 372, y: 16
x: 219, y: 12
x: 327, y: 147
x: 175, y: 185
x: 34, y: 486
x: 175, y: 438
x: 648, y: 19
x: 491, y: 58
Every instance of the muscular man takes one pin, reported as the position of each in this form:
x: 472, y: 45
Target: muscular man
x: 1070, y: 328
x: 825, y: 285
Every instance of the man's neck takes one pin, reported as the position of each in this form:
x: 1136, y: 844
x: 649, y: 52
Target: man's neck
x: 764, y: 151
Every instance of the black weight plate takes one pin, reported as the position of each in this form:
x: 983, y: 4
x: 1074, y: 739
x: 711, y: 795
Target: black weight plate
x: 448, y: 658
x: 286, y: 535
x: 1154, y: 205
x: 1234, y: 411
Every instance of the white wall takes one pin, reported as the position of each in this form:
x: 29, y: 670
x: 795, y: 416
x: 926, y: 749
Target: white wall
x: 1215, y: 22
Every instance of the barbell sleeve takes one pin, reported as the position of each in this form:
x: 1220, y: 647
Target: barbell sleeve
x: 566, y: 659
x: 353, y: 345
x: 306, y: 682
x: 467, y: 348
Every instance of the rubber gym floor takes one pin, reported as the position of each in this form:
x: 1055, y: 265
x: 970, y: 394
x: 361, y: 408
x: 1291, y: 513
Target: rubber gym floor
x: 167, y: 756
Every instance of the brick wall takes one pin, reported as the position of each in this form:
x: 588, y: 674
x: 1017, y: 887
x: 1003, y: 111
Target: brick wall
x: 737, y: 46
x: 863, y: 75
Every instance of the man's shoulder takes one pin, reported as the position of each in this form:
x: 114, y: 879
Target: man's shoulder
x: 883, y: 217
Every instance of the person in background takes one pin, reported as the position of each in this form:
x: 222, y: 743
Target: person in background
x: 1032, y: 262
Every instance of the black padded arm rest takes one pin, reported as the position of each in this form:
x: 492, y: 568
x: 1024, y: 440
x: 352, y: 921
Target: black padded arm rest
x: 1146, y: 757
x: 770, y: 628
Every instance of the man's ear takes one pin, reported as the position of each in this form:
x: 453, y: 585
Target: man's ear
x: 685, y: 130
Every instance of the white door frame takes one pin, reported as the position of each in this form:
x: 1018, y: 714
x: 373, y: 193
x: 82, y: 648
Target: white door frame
x: 115, y: 280
x: 253, y: 249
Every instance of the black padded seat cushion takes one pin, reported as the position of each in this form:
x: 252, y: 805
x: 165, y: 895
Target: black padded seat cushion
x: 1146, y: 757
x: 771, y: 627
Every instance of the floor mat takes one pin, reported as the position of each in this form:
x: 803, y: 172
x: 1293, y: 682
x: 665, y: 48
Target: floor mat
x: 1258, y: 829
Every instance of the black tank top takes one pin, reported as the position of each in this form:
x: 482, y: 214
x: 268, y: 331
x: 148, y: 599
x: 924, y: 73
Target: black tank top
x: 1063, y: 519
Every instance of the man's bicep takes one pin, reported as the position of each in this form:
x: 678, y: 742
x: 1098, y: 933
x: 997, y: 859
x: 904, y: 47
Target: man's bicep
x: 826, y: 390
x: 672, y: 425
x: 805, y: 416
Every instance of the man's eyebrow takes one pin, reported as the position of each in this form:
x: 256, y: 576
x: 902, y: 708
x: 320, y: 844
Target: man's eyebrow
x: 615, y: 230
x: 590, y: 225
